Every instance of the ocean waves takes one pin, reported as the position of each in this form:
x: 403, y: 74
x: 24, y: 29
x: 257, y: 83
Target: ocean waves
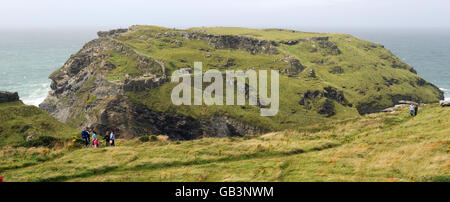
x: 446, y: 93
x: 36, y: 94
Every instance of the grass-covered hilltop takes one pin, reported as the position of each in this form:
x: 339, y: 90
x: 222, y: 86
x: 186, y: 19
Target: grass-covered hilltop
x: 120, y: 81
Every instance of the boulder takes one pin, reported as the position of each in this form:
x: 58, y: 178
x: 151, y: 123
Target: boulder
x: 8, y: 96
x: 337, y: 70
x: 30, y: 136
x: 388, y: 110
x: 327, y: 108
x: 292, y: 42
x: 445, y: 103
x: 294, y: 67
x: 407, y: 102
x: 335, y: 94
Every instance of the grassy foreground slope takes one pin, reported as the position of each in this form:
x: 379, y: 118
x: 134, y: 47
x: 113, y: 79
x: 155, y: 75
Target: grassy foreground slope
x: 375, y: 147
x: 19, y: 121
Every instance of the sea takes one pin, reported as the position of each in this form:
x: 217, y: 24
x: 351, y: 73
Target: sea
x: 27, y: 57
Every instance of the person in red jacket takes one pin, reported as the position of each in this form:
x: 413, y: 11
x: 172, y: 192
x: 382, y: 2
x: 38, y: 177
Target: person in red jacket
x: 1, y: 179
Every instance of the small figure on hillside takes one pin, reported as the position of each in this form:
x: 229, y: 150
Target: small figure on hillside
x: 112, y: 138
x: 94, y: 139
x: 412, y: 109
x: 85, y: 136
x: 106, y: 138
x: 416, y: 108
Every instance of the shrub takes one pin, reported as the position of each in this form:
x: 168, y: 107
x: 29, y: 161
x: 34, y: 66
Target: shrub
x: 441, y: 179
x: 42, y: 141
x: 77, y: 140
x: 247, y: 137
x: 76, y: 143
x: 153, y: 138
x: 144, y: 138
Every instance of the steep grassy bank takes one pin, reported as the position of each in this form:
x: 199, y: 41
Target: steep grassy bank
x: 19, y: 122
x: 376, y: 147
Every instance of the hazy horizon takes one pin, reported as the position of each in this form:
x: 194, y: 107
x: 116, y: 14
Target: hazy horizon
x: 295, y: 14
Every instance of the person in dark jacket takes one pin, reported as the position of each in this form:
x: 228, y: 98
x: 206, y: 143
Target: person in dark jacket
x: 106, y: 138
x: 85, y: 136
x: 416, y: 108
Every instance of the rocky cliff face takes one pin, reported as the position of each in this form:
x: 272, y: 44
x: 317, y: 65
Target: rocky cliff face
x: 120, y: 81
x: 83, y: 95
x: 8, y: 96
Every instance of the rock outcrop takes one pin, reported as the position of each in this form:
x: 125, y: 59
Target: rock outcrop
x: 131, y: 120
x: 294, y: 66
x: 8, y: 96
x: 326, y: 107
x: 445, y: 103
x: 111, y: 32
x: 143, y: 83
x: 374, y: 106
x: 251, y: 45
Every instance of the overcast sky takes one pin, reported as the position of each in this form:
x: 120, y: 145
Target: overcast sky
x: 247, y: 13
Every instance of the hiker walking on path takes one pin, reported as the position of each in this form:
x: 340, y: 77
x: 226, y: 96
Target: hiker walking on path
x: 85, y: 136
x: 412, y: 109
x: 416, y: 108
x: 106, y: 138
x: 94, y: 139
x: 112, y: 138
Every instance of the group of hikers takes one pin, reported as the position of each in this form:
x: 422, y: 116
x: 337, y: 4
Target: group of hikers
x: 413, y: 108
x: 90, y: 134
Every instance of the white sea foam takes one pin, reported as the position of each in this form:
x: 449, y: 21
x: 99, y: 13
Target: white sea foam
x: 37, y: 95
x: 446, y: 93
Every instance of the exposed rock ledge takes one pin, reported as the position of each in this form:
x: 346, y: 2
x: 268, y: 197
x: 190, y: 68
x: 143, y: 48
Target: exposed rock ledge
x: 132, y: 120
x: 8, y: 96
x: 111, y: 32
x: 251, y: 45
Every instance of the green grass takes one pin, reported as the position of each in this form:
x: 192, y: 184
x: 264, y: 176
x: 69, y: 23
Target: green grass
x: 262, y: 34
x: 376, y: 147
x: 17, y: 121
x: 366, y: 69
x: 309, y: 146
x: 124, y: 65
